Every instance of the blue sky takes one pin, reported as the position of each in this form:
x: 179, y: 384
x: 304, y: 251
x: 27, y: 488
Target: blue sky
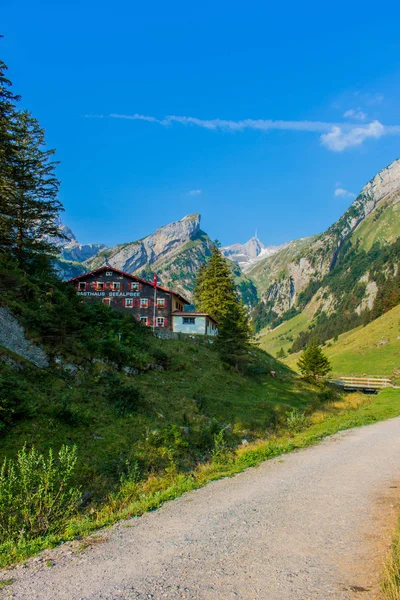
x: 258, y: 115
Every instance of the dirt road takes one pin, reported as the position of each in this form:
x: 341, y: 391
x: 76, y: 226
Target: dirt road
x: 314, y: 524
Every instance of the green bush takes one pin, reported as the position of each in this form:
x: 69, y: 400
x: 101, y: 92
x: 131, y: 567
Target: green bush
x: 36, y: 495
x: 296, y: 420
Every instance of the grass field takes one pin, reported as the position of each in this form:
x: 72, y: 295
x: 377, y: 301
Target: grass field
x: 372, y: 350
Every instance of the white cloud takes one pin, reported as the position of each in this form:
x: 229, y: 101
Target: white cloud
x: 342, y: 193
x: 260, y: 124
x: 355, y: 114
x: 194, y: 193
x: 334, y: 136
x: 339, y: 139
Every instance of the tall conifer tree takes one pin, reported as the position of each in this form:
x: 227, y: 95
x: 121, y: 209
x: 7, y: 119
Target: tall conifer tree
x: 31, y: 205
x: 8, y: 101
x: 215, y: 289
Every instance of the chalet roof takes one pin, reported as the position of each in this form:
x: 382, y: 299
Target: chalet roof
x: 134, y: 277
x: 192, y: 313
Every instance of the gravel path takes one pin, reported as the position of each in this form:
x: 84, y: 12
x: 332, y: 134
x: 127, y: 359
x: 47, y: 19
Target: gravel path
x: 314, y: 524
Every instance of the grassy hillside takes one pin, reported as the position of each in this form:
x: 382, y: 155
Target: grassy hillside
x: 382, y: 225
x: 283, y: 335
x: 173, y: 418
x: 371, y: 350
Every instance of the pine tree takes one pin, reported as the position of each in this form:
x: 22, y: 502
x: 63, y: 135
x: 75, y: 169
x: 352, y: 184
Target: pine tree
x: 30, y: 204
x: 8, y: 101
x: 233, y: 339
x: 215, y: 290
x: 215, y: 294
x: 313, y: 363
x: 281, y: 353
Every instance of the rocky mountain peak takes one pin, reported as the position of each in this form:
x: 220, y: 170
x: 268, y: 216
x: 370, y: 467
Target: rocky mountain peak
x: 166, y: 240
x: 385, y: 182
x: 248, y: 254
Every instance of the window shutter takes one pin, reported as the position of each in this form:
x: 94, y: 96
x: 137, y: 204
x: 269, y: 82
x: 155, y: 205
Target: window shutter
x: 149, y: 303
x: 165, y: 322
x: 123, y: 303
x: 86, y: 286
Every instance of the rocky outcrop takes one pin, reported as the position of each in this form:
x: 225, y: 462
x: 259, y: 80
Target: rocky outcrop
x: 12, y: 337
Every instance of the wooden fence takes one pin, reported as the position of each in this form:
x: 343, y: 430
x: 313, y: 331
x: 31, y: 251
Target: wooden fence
x: 363, y: 383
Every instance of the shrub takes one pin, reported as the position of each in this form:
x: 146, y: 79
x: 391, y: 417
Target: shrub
x: 296, y: 420
x: 221, y: 453
x: 36, y: 495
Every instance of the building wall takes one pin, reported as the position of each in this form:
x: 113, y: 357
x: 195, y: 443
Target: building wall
x: 127, y: 298
x: 177, y: 304
x: 198, y: 327
x: 211, y: 327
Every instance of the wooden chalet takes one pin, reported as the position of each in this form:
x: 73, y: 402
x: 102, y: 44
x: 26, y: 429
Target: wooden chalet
x: 130, y: 293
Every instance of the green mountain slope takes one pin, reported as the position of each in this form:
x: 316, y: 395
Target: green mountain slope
x: 372, y: 350
x: 343, y: 278
x: 382, y: 225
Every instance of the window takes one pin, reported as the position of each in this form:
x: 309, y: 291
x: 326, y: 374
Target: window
x: 143, y: 320
x: 144, y: 302
x: 189, y: 320
x: 100, y: 285
x: 107, y: 301
x: 81, y: 286
x: 116, y: 286
x: 179, y: 306
x: 160, y: 302
x: 109, y: 273
x: 128, y: 302
x: 160, y: 321
x: 134, y: 286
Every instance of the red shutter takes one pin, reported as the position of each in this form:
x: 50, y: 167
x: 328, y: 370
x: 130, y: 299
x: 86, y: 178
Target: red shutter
x: 165, y: 322
x: 86, y: 285
x: 149, y: 303
x: 123, y: 302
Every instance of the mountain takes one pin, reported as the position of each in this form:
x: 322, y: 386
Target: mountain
x: 71, y: 249
x: 339, y: 278
x: 248, y: 254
